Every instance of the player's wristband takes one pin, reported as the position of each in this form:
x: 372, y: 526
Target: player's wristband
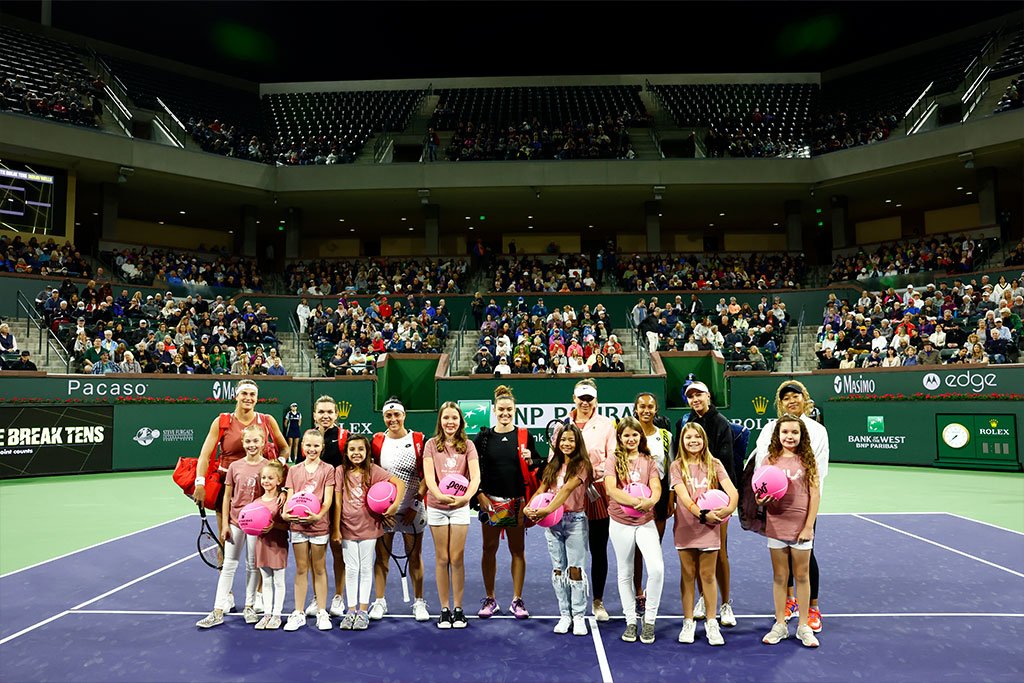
x: 200, y: 481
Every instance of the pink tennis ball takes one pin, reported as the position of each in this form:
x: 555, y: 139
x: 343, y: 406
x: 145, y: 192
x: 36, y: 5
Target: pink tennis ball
x: 254, y: 518
x: 454, y: 485
x: 541, y: 501
x: 769, y: 480
x: 303, y: 504
x: 381, y: 496
x: 637, y: 490
x: 713, y: 499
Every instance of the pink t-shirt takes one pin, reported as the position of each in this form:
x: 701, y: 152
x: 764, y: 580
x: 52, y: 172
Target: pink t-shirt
x: 786, y: 517
x: 599, y: 436
x: 301, y: 480
x: 574, y: 503
x: 272, y: 547
x: 641, y: 470
x: 358, y: 523
x: 688, y: 532
x: 244, y: 480
x: 447, y: 461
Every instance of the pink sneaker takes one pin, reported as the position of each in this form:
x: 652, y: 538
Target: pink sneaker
x: 518, y: 609
x: 488, y: 608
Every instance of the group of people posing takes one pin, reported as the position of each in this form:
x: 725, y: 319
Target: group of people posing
x: 591, y: 469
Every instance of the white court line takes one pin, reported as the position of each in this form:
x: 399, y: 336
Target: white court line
x: 944, y: 547
x: 854, y: 514
x: 94, y: 545
x: 671, y: 617
x: 98, y: 597
x: 994, y: 526
x: 602, y: 657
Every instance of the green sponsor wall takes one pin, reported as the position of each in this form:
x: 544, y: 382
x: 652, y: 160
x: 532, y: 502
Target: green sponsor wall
x: 707, y: 368
x: 752, y: 403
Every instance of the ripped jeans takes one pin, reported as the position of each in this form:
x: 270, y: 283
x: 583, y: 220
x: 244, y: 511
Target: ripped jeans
x: 567, y: 545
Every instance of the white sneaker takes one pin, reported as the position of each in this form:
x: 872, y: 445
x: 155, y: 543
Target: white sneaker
x: 600, y: 613
x: 725, y: 613
x: 713, y: 633
x: 312, y: 609
x: 687, y: 631
x: 258, y: 603
x: 419, y: 610
x: 579, y: 626
x: 323, y: 620
x: 337, y: 606
x: 778, y: 633
x: 699, y: 611
x: 249, y: 614
x: 210, y: 620
x: 296, y: 620
x: 563, y: 625
x: 379, y: 608
x: 806, y: 636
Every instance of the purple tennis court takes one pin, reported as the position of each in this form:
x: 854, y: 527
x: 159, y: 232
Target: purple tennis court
x: 905, y: 597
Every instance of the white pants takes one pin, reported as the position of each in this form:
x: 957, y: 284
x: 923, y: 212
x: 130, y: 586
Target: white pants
x: 652, y: 341
x: 625, y: 540
x: 358, y: 570
x: 238, y: 543
x: 273, y: 590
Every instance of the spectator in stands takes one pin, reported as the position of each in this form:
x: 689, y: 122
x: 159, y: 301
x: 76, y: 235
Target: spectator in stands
x: 929, y: 355
x: 978, y: 355
x: 276, y: 368
x: 24, y: 363
x: 827, y: 361
x: 8, y: 342
x: 129, y: 364
x: 105, y: 365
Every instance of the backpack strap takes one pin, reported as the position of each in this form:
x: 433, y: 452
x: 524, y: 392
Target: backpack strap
x: 223, y: 424
x: 375, y: 446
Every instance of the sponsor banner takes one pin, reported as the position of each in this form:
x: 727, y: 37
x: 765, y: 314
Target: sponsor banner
x: 41, y: 440
x: 972, y: 440
x: 155, y: 436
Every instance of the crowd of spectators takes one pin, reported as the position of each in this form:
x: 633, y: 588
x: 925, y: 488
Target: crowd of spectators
x: 607, y: 139
x: 948, y: 254
x: 518, y: 338
x: 380, y: 276
x: 745, y: 142
x: 228, y: 140
x: 976, y: 322
x: 64, y: 98
x: 710, y: 272
x: 1015, y: 257
x: 42, y: 258
x: 748, y: 337
x: 558, y: 273
x: 834, y: 131
x: 159, y: 333
x: 168, y: 268
x: 1011, y: 98
x: 350, y: 338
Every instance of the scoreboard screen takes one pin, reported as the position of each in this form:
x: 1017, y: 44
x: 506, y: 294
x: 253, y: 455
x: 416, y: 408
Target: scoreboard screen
x: 32, y: 200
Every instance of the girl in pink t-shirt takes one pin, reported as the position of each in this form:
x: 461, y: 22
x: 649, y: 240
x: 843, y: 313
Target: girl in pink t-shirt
x: 450, y: 452
x: 790, y: 524
x: 631, y: 463
x: 356, y: 527
x: 568, y: 473
x: 240, y: 489
x: 272, y: 546
x: 691, y: 474
x: 310, y: 533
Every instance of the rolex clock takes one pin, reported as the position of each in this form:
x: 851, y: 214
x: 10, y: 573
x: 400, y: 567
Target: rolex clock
x: 955, y: 435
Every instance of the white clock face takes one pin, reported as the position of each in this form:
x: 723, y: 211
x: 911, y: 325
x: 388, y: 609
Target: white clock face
x: 955, y: 435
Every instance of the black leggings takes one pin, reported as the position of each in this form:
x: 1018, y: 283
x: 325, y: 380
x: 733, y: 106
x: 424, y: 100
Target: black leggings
x: 599, y: 555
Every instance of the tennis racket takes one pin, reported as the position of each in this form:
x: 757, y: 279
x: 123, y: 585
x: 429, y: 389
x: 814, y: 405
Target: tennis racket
x: 402, y: 562
x: 552, y: 431
x: 210, y: 549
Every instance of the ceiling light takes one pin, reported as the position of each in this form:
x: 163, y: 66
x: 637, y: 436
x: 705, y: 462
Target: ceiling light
x: 959, y: 188
x: 898, y: 205
x: 182, y: 213
x: 95, y: 213
x: 257, y: 222
x: 530, y: 227
x: 888, y: 201
x: 404, y: 218
x: 968, y: 192
x: 530, y: 217
x: 711, y: 225
x: 775, y: 225
x: 351, y: 229
x: 341, y: 220
x: 590, y: 226
x: 721, y: 214
x: 411, y: 229
x: 471, y: 227
x: 77, y: 223
x: 231, y: 232
x: 160, y: 222
x: 467, y: 218
x: 660, y: 215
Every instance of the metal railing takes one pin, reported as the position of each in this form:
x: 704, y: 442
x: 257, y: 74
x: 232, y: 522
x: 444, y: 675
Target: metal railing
x: 47, y: 341
x: 304, y: 360
x: 459, y: 342
x: 794, y: 353
x: 116, y: 94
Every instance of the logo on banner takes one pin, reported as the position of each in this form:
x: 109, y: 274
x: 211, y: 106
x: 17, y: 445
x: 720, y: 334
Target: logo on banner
x: 876, y: 424
x: 146, y: 436
x: 477, y: 415
x: 847, y: 384
x: 931, y: 381
x: 344, y: 408
x: 760, y: 405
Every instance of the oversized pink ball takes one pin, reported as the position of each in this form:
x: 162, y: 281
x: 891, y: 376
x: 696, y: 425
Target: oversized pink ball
x: 637, y: 490
x: 769, y: 480
x: 381, y: 496
x: 541, y: 501
x: 254, y: 518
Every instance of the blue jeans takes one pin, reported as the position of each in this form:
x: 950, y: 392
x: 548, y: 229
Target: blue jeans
x: 567, y: 545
